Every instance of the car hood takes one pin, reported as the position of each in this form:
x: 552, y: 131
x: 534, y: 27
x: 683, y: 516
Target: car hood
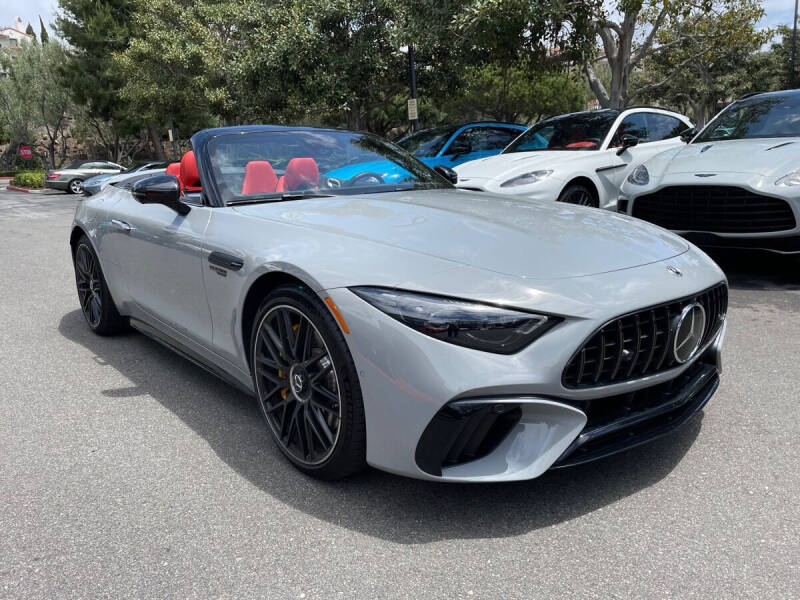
x: 507, y: 165
x: 502, y: 234
x: 766, y: 157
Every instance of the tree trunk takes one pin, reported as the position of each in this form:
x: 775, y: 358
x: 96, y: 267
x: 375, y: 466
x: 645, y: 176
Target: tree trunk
x: 155, y: 138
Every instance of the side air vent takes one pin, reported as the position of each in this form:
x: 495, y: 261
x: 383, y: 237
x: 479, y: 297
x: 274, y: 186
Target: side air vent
x: 464, y: 431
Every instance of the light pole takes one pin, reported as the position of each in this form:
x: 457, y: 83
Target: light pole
x: 413, y: 114
x: 794, y: 48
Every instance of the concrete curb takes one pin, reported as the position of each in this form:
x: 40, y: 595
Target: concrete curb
x: 17, y: 189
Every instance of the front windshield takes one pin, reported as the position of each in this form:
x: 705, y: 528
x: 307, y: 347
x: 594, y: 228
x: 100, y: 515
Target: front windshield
x: 277, y: 164
x: 582, y: 131
x: 771, y: 116
x: 428, y: 142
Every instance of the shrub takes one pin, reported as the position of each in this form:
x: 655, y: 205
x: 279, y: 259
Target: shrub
x: 29, y: 179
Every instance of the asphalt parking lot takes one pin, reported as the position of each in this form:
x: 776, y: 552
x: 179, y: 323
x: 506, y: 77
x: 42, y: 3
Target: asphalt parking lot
x: 126, y: 471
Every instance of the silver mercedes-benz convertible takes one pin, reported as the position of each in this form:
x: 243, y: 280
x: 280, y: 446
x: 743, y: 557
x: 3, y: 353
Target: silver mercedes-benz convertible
x: 427, y: 331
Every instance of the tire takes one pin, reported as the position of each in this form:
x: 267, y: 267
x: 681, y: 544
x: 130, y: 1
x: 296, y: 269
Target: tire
x: 577, y: 193
x: 97, y: 306
x: 75, y: 186
x: 306, y: 384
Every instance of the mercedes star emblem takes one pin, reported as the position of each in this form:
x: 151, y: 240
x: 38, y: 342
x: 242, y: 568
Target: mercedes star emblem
x: 689, y: 328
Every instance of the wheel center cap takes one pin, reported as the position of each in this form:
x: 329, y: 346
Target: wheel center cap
x: 298, y: 382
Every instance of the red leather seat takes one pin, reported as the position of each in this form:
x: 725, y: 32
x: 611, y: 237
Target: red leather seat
x: 259, y: 178
x: 301, y: 174
x: 190, y: 178
x: 175, y: 169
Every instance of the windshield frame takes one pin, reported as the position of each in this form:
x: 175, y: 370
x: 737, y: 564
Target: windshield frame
x: 441, y: 132
x: 614, y: 116
x: 742, y: 104
x: 205, y: 141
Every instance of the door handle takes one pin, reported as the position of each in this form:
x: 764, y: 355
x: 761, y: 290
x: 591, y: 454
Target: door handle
x: 226, y: 261
x: 122, y: 225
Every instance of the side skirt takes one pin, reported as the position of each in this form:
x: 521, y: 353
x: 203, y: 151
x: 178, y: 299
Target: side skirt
x: 190, y: 355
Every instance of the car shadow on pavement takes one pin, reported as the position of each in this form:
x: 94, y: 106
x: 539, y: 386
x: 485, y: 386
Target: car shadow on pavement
x: 374, y: 503
x: 758, y: 270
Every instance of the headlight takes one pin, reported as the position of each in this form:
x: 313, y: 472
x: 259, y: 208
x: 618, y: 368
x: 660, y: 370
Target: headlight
x: 791, y: 179
x: 460, y: 322
x: 527, y: 178
x: 639, y: 176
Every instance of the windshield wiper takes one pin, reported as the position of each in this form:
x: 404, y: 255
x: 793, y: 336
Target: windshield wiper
x: 284, y: 197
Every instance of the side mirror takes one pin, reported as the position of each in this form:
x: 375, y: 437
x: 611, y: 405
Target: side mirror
x: 627, y: 141
x: 447, y: 173
x: 688, y: 134
x: 161, y: 189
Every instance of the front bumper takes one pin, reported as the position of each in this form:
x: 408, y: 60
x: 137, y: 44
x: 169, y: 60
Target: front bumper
x: 519, y: 419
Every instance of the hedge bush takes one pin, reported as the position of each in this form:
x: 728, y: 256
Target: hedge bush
x: 29, y: 179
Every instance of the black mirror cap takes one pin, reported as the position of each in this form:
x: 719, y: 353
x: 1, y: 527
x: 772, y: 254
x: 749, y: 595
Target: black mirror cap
x: 687, y: 135
x: 627, y: 141
x: 160, y: 189
x: 447, y: 173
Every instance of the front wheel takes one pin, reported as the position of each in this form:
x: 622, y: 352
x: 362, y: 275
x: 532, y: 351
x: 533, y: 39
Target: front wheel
x: 306, y: 384
x: 97, y: 306
x: 578, y: 194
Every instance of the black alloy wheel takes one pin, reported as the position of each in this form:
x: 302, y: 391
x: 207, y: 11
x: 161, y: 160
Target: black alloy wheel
x: 87, y: 276
x: 578, y: 194
x: 306, y: 385
x: 96, y: 304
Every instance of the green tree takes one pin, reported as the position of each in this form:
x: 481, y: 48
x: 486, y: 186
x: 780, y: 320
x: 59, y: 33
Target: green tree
x: 32, y: 98
x: 95, y: 30
x: 713, y: 64
x: 43, y: 35
x: 507, y: 93
x: 30, y: 32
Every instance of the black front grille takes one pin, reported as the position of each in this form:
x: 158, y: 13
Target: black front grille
x: 714, y: 208
x: 638, y: 344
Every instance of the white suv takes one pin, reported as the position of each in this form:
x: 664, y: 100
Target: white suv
x: 737, y: 184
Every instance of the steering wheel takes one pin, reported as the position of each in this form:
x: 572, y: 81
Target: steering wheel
x: 354, y: 181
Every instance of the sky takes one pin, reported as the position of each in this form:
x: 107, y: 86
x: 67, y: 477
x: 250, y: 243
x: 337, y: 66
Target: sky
x: 778, y: 11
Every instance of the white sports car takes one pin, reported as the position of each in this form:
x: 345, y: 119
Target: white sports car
x: 580, y: 158
x: 736, y: 184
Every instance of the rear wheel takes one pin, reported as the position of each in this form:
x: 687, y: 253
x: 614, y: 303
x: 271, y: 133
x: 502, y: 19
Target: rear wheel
x: 96, y: 304
x: 577, y: 193
x: 75, y: 187
x: 307, y: 385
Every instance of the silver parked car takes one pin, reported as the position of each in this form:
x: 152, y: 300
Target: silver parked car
x: 428, y: 331
x: 94, y: 184
x: 71, y: 178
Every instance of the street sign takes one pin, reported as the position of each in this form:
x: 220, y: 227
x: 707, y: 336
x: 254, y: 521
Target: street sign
x: 25, y: 152
x: 412, y: 110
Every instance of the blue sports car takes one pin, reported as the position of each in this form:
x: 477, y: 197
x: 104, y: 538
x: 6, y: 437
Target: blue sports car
x: 447, y: 146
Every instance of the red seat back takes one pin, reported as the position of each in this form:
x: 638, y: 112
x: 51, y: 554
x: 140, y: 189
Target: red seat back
x: 175, y: 169
x: 190, y: 178
x: 301, y: 173
x: 259, y: 178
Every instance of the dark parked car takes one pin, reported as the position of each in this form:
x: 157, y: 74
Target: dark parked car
x: 71, y: 178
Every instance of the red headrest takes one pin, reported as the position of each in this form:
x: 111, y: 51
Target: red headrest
x: 190, y: 178
x: 301, y: 173
x: 175, y: 169
x: 259, y: 178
